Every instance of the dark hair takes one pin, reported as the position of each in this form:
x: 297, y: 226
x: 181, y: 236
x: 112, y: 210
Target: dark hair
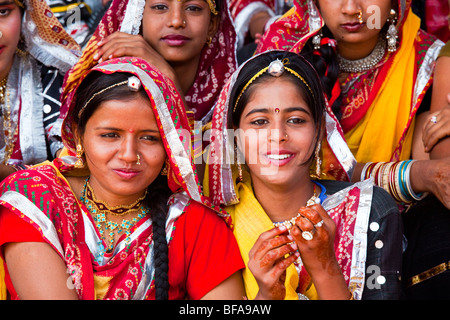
x: 314, y: 97
x: 326, y: 64
x: 158, y: 191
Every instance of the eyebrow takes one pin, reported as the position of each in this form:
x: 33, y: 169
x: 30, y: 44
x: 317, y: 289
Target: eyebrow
x: 119, y: 129
x: 4, y: 3
x: 287, y: 110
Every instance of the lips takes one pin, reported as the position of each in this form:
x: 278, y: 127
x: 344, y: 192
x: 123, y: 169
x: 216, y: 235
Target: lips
x: 352, y: 26
x: 126, y: 173
x: 279, y: 158
x: 175, y: 39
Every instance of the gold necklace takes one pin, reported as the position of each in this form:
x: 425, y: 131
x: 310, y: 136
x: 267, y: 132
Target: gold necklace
x: 100, y: 210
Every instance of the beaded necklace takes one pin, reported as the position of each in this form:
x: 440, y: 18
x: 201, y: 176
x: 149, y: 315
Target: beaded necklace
x: 100, y: 211
x: 290, y: 222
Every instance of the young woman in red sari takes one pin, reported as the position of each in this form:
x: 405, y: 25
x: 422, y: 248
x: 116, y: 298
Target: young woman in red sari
x: 122, y: 219
x: 377, y: 69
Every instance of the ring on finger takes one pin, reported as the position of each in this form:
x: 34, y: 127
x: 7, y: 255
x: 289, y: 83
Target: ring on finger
x: 433, y: 119
x: 307, y: 235
x: 318, y: 224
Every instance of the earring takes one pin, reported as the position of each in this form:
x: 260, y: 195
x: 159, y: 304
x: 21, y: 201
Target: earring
x: 238, y: 164
x: 164, y: 171
x: 138, y: 162
x: 392, y: 33
x: 318, y: 161
x: 316, y: 40
x: 208, y: 41
x: 79, y: 163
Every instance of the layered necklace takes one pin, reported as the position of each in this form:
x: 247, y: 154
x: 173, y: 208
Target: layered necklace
x: 364, y: 64
x: 290, y: 222
x: 8, y: 130
x: 100, y: 211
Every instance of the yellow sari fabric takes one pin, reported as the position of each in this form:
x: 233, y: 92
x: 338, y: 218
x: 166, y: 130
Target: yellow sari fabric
x: 249, y: 221
x: 389, y: 114
x: 2, y: 281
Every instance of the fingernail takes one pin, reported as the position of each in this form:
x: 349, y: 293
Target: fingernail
x: 294, y: 246
x: 290, y: 237
x: 282, y: 228
x: 96, y: 56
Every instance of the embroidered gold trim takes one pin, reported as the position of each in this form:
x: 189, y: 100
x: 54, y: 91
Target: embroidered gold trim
x: 428, y: 274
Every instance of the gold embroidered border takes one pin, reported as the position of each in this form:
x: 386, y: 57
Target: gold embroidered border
x: 428, y: 273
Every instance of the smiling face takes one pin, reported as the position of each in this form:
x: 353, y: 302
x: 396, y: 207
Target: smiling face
x: 178, y: 29
x: 10, y: 26
x: 114, y: 135
x: 277, y: 133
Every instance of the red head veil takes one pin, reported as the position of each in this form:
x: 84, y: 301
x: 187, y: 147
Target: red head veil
x: 170, y: 115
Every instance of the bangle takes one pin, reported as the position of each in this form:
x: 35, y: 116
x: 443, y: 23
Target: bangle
x: 413, y: 195
x: 363, y: 172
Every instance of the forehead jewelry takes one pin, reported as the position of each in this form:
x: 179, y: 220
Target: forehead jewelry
x: 276, y: 68
x: 212, y: 6
x: 277, y: 110
x: 133, y: 84
x: 19, y: 3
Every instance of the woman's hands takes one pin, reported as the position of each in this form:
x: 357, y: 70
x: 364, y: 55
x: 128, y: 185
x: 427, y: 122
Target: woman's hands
x: 318, y: 254
x: 276, y: 249
x: 435, y: 131
x: 120, y: 44
x: 272, y: 254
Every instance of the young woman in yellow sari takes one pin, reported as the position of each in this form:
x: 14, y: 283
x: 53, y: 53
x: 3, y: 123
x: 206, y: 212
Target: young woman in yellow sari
x: 299, y: 237
x: 377, y: 69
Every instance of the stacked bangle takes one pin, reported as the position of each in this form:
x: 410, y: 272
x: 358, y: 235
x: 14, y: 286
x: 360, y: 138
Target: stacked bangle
x: 394, y: 177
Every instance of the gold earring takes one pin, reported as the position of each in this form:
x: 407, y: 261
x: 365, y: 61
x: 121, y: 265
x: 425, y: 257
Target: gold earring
x: 238, y: 164
x: 208, y: 41
x: 79, y: 163
x: 318, y: 161
x: 164, y: 171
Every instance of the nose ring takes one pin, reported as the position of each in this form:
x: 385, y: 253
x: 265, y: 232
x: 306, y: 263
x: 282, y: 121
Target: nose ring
x: 184, y: 23
x: 1, y: 34
x: 138, y: 162
x: 360, y: 17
